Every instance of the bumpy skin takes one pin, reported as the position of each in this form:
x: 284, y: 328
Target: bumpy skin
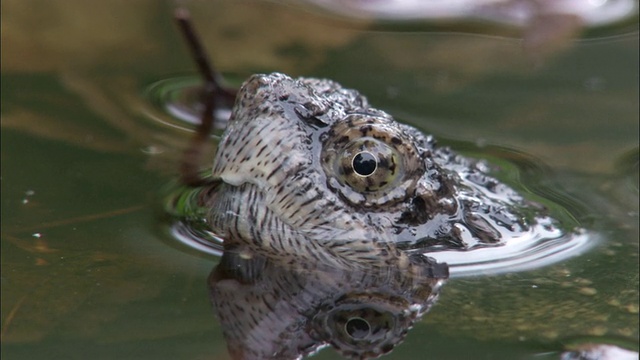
x: 288, y: 188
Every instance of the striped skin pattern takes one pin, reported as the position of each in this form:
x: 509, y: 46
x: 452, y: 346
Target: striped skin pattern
x: 287, y: 187
x: 277, y: 197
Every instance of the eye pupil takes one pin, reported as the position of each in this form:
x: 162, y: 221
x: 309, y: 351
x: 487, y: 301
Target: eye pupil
x: 364, y: 163
x: 358, y: 328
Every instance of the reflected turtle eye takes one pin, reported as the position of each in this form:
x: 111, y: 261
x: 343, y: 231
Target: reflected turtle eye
x: 358, y: 328
x: 363, y: 325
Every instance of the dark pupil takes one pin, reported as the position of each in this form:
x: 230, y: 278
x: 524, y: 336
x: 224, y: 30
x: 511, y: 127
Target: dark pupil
x: 364, y: 163
x: 357, y: 328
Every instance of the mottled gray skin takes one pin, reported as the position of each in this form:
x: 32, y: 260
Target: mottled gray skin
x: 287, y: 187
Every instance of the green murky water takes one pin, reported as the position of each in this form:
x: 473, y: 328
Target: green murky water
x: 89, y: 269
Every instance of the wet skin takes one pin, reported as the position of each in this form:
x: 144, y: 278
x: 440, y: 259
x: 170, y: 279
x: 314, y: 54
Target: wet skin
x: 308, y: 171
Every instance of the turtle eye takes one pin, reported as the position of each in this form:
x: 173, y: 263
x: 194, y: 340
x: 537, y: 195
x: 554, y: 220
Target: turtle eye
x: 358, y: 328
x: 370, y: 161
x: 368, y: 165
x: 364, y: 163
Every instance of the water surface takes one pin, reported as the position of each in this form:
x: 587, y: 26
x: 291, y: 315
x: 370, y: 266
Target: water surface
x: 89, y: 268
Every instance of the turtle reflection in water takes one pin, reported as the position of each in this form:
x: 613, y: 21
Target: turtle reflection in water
x: 327, y: 207
x: 275, y: 310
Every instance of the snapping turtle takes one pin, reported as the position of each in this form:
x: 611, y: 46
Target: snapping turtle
x: 308, y: 170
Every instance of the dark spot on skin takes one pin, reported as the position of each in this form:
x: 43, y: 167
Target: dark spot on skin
x: 315, y: 122
x: 383, y: 163
x: 274, y: 171
x: 365, y: 129
x: 350, y: 122
x: 446, y: 188
x: 261, y: 150
x: 370, y: 182
x: 422, y: 209
x: 347, y: 170
x: 481, y: 228
x: 396, y: 141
